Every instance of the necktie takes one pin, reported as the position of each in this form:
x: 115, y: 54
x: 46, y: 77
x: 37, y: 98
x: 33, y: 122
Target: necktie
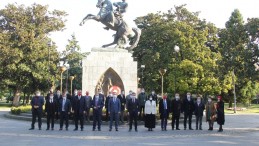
x: 63, y: 105
x: 133, y: 100
x: 165, y: 106
x: 114, y: 100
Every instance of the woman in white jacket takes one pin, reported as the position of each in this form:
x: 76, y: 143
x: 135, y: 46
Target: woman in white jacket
x: 150, y: 114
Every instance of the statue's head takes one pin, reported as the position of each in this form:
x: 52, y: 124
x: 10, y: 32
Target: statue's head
x: 99, y: 3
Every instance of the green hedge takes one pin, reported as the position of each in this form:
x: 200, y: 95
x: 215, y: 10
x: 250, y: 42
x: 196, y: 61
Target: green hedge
x: 20, y: 109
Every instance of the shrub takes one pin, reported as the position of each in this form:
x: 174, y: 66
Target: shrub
x: 20, y: 109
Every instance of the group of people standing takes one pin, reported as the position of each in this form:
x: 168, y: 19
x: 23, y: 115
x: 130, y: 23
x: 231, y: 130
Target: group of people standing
x: 141, y: 107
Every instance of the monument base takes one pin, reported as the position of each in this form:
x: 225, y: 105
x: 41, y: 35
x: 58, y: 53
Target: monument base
x: 105, y: 68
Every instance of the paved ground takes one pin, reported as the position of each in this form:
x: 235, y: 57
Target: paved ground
x: 239, y: 130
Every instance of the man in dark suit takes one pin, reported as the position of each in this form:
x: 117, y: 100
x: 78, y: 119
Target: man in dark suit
x: 133, y: 111
x: 188, y: 108
x: 199, y: 108
x: 78, y: 108
x: 97, y: 105
x: 64, y: 110
x: 51, y: 110
x: 123, y: 103
x: 37, y: 103
x: 88, y: 100
x: 48, y: 95
x: 57, y: 97
x: 106, y: 105
x: 176, y: 111
x: 114, y: 108
x: 164, y: 109
x: 154, y: 96
x: 101, y: 96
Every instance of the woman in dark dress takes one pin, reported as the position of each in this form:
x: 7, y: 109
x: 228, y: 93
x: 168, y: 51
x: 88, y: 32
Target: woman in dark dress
x: 220, y: 113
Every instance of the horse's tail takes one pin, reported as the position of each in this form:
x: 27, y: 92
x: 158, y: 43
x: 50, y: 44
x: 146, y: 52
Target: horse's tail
x: 136, y: 38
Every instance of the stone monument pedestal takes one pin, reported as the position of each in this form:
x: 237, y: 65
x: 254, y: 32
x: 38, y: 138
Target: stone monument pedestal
x: 106, y: 68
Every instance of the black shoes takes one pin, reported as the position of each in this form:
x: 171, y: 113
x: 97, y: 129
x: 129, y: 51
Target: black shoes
x: 110, y: 129
x: 40, y: 128
x: 75, y: 129
x: 178, y: 129
x: 47, y: 129
x: 117, y: 130
x: 130, y: 130
x: 31, y: 129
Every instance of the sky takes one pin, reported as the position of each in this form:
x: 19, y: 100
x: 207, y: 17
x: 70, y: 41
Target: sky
x: 92, y: 33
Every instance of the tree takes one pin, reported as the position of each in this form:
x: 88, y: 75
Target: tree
x: 72, y: 54
x: 194, y: 68
x: 239, y: 49
x: 24, y: 50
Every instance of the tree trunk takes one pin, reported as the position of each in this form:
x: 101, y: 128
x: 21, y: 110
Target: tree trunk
x: 16, y: 100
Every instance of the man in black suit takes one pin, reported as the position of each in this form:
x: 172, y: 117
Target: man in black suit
x: 88, y: 100
x: 199, y: 108
x: 114, y: 108
x: 37, y: 103
x: 123, y: 103
x: 133, y: 111
x: 57, y: 97
x: 106, y: 106
x: 64, y: 110
x: 164, y: 109
x: 97, y: 105
x: 154, y: 96
x: 78, y: 108
x: 176, y: 111
x: 188, y: 109
x: 51, y: 110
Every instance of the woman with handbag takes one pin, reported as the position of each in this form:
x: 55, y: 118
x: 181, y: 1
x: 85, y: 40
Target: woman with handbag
x: 210, y: 113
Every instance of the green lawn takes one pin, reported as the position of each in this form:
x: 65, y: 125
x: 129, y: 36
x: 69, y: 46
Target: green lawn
x: 253, y: 109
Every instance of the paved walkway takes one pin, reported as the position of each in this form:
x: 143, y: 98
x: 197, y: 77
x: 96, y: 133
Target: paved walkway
x: 239, y: 130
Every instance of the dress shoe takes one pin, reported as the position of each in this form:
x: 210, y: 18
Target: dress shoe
x: 82, y: 129
x: 93, y: 129
x: 130, y: 130
x: 47, y: 129
x: 117, y: 130
x: 151, y: 129
x: 200, y: 128
x: 99, y: 130
x: 52, y: 129
x: 110, y: 129
x: 178, y: 129
x: 66, y: 129
x: 31, y: 129
x: 39, y: 128
x: 60, y: 129
x: 136, y: 130
x: 75, y: 129
x: 190, y: 129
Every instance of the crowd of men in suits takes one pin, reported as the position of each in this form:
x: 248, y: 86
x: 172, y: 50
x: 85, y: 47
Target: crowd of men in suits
x: 141, y: 107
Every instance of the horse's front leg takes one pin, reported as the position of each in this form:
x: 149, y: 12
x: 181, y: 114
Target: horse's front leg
x: 89, y: 16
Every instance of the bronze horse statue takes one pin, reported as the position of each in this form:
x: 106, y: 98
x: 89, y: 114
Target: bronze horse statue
x: 108, y: 17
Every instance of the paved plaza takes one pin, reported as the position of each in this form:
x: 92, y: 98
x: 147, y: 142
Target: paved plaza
x: 239, y: 130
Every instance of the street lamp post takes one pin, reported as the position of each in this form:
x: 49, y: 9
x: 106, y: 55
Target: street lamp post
x: 49, y: 46
x: 176, y: 49
x: 162, y: 73
x: 67, y: 68
x: 142, y: 67
x: 234, y: 91
x: 71, y: 83
x: 61, y: 69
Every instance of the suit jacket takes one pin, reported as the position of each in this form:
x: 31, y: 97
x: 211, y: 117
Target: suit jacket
x: 199, y: 109
x: 67, y: 105
x: 99, y: 104
x: 133, y: 106
x: 162, y: 107
x: 79, y: 105
x: 37, y: 101
x: 176, y: 107
x: 150, y: 107
x: 107, y: 101
x: 142, y: 97
x: 188, y: 106
x: 123, y: 101
x: 51, y: 108
x: 101, y: 96
x: 114, y: 106
x: 88, y: 101
x: 127, y: 100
